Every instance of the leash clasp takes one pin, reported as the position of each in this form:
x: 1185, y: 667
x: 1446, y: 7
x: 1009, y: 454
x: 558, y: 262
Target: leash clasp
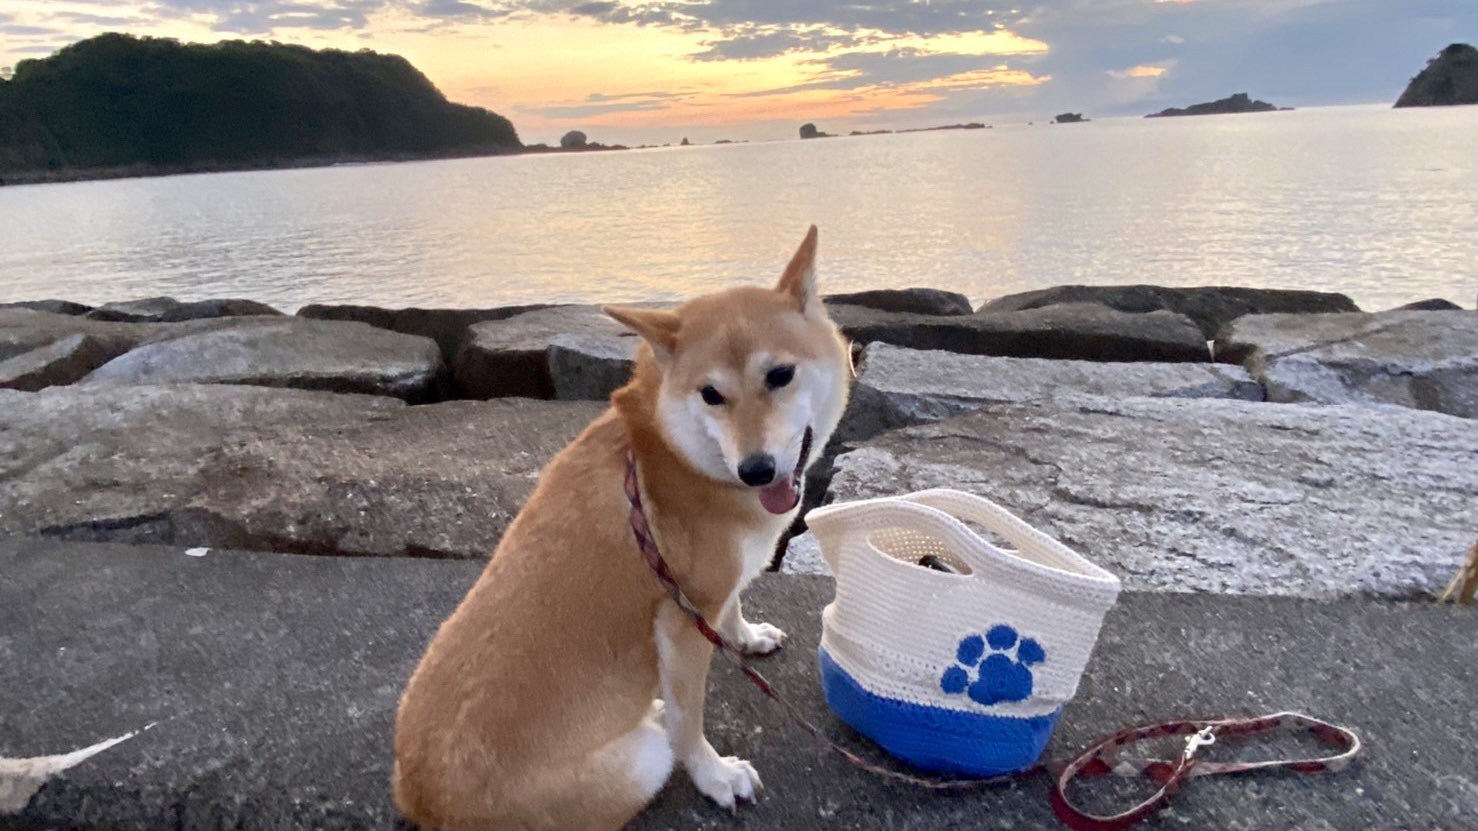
x: 1199, y: 740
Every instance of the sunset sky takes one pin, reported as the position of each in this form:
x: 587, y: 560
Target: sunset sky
x: 654, y: 71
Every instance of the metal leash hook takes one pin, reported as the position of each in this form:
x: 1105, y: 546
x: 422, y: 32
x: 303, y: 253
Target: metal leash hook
x: 1199, y: 740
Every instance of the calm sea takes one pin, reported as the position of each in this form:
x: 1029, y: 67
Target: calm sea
x: 1378, y: 203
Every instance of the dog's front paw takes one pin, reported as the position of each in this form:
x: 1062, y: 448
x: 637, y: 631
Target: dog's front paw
x: 762, y: 639
x: 727, y: 780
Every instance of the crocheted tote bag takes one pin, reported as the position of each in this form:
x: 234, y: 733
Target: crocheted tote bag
x: 962, y: 673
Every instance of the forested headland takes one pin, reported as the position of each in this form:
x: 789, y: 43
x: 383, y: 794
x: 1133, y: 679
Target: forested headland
x: 123, y: 105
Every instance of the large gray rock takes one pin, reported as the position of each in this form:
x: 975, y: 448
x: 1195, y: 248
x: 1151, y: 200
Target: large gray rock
x: 1210, y: 495
x: 1434, y: 304
x: 1426, y: 360
x: 170, y: 310
x: 898, y: 387
x: 60, y: 307
x: 915, y: 301
x: 62, y: 361
x: 288, y: 352
x: 803, y: 556
x: 448, y: 327
x: 22, y: 330
x: 1211, y: 307
x: 512, y: 357
x: 221, y: 307
x: 590, y: 367
x: 142, y: 310
x: 110, y: 463
x: 272, y: 682
x: 286, y: 470
x: 1083, y: 331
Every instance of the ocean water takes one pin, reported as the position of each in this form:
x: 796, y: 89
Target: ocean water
x: 1378, y: 203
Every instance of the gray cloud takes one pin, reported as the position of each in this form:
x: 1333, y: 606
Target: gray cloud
x: 586, y: 110
x: 752, y: 43
x: 608, y: 11
x: 908, y: 65
x: 461, y: 10
x: 598, y: 9
x: 266, y: 17
x: 263, y: 17
x: 27, y: 31
x: 599, y: 104
x: 75, y: 18
x: 901, y: 16
x: 601, y: 98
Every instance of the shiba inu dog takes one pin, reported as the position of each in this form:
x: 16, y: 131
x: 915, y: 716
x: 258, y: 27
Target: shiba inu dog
x: 566, y: 685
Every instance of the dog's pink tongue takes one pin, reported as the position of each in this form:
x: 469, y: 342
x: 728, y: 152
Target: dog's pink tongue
x: 779, y: 497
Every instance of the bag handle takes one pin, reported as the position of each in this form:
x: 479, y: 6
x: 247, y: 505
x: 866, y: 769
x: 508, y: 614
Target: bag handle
x: 1034, y: 544
x: 941, y: 512
x: 832, y: 524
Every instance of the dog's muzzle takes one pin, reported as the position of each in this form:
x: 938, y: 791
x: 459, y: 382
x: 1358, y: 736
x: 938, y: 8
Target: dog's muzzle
x: 785, y: 494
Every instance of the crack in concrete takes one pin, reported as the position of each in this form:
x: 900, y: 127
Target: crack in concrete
x: 88, y: 530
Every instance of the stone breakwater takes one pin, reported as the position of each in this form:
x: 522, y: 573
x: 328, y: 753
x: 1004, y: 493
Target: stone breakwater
x: 1215, y: 439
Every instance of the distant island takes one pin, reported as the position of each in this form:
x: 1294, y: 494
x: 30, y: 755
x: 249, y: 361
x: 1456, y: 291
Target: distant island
x: 1239, y: 103
x: 809, y: 131
x: 974, y: 125
x: 574, y: 141
x: 1070, y: 118
x: 1449, y: 79
x: 119, y: 105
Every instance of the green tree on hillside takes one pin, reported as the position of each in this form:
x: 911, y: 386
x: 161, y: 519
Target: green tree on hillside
x: 118, y: 100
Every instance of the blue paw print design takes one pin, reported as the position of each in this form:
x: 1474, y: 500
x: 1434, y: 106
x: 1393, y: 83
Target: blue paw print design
x: 1000, y: 676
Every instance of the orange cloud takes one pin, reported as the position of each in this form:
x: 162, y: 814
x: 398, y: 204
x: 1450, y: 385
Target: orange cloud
x: 1141, y: 71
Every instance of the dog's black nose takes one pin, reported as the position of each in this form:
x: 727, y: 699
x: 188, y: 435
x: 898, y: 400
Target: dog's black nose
x: 757, y: 470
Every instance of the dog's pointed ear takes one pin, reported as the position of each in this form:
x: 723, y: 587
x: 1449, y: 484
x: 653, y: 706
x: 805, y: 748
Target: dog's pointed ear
x: 799, y: 280
x: 657, y: 327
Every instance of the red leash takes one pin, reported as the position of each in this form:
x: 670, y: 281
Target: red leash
x: 1098, y: 760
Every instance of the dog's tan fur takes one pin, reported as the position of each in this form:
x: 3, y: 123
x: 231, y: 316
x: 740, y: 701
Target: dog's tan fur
x: 533, y: 707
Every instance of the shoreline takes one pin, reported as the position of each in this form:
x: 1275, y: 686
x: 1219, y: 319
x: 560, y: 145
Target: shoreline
x: 144, y: 171
x: 148, y: 171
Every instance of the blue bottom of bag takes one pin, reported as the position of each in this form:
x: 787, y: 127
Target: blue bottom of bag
x: 933, y: 738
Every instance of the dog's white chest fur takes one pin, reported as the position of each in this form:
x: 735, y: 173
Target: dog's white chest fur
x: 756, y: 551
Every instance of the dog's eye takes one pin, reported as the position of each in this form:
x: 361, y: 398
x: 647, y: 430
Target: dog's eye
x: 711, y: 396
x: 779, y: 376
